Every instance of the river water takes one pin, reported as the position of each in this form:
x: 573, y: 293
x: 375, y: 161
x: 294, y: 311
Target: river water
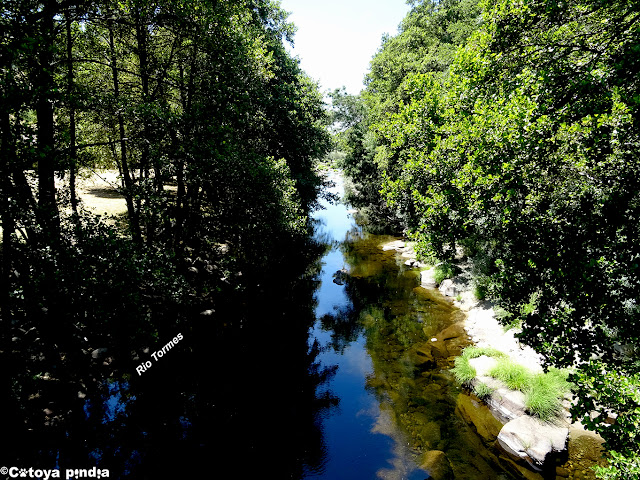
x: 370, y: 322
x: 311, y: 371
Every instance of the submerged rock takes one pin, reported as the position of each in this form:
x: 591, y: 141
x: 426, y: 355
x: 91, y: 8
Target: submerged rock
x: 480, y: 416
x: 437, y: 464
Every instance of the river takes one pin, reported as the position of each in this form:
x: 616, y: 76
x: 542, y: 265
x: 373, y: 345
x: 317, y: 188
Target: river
x: 311, y: 371
x: 392, y: 410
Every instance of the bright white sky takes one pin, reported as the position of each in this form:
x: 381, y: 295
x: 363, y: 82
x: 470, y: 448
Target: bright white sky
x: 336, y: 39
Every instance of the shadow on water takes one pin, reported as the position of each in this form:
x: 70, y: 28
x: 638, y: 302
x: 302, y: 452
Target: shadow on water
x: 311, y: 371
x: 234, y: 391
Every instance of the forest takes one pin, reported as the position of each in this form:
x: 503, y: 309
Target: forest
x: 509, y: 130
x: 214, y: 130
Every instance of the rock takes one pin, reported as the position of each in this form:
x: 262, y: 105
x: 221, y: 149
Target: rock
x: 585, y: 447
x: 478, y: 414
x: 454, y: 337
x: 437, y: 464
x: 507, y: 404
x: 423, y: 356
x: 448, y: 288
x: 340, y: 276
x: 394, y: 245
x: 452, y: 331
x: 427, y: 278
x: 207, y: 313
x: 439, y: 350
x: 482, y: 364
x: 532, y: 440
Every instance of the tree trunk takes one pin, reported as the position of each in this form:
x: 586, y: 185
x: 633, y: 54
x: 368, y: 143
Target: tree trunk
x: 134, y: 221
x: 7, y: 149
x: 47, y: 207
x: 73, y: 151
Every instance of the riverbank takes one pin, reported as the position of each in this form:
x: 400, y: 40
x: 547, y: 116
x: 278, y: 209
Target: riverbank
x: 559, y: 449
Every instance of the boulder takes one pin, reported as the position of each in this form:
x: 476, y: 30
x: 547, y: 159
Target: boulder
x: 427, y: 278
x: 507, y: 404
x: 454, y: 337
x: 452, y: 331
x: 532, y: 440
x: 394, y: 245
x: 423, y: 356
x: 482, y: 364
x: 448, y: 288
x: 437, y: 464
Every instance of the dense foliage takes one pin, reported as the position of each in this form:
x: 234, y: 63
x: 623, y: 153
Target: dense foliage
x: 214, y: 129
x: 526, y: 153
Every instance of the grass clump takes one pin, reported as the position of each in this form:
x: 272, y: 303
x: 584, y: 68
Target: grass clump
x: 544, y: 394
x: 515, y: 376
x: 463, y: 371
x: 482, y: 390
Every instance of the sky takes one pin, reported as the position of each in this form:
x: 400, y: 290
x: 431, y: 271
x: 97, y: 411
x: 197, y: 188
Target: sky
x: 336, y: 39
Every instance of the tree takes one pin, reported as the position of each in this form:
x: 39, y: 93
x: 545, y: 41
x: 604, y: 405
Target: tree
x: 529, y: 157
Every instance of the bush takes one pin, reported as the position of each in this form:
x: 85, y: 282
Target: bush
x: 442, y: 272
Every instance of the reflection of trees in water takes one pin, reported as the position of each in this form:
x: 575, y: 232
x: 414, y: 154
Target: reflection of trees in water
x: 240, y: 391
x: 418, y: 399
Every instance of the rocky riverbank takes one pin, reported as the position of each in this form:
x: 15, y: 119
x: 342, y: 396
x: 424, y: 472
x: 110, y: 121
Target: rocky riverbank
x: 558, y: 449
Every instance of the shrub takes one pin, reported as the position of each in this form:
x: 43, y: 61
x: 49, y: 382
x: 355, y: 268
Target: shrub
x: 442, y: 272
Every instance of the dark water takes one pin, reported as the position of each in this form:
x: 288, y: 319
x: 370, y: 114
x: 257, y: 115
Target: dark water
x: 296, y: 377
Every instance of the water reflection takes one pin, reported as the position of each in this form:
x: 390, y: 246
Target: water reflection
x: 241, y: 392
x: 395, y: 407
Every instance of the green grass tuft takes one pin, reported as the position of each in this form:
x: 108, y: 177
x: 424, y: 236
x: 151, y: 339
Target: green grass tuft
x: 515, y: 376
x: 463, y: 371
x: 475, y: 352
x: 544, y: 394
x: 482, y: 390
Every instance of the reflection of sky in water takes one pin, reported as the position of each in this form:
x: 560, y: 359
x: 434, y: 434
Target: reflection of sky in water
x: 113, y: 404
x: 356, y: 450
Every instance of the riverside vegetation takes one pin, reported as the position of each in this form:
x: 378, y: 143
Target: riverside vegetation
x: 510, y: 130
x: 214, y: 130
